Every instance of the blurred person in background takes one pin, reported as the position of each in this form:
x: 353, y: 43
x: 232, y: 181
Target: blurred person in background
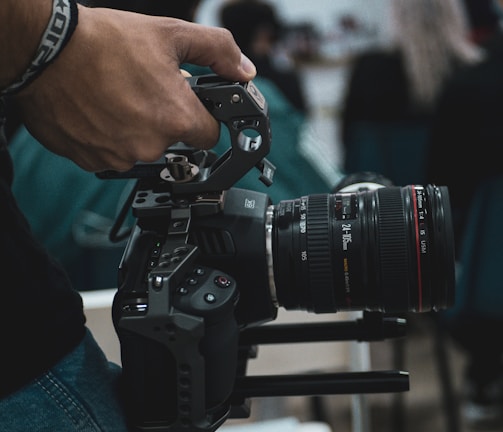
x: 257, y: 29
x: 483, y: 20
x: 392, y: 91
x: 394, y: 122
x: 465, y: 155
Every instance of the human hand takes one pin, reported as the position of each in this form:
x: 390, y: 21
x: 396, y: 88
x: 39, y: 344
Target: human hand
x: 115, y: 94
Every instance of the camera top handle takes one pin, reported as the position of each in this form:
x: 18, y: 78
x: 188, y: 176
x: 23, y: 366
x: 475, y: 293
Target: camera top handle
x: 242, y: 108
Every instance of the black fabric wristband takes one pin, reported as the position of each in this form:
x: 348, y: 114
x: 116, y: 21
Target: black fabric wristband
x: 62, y: 24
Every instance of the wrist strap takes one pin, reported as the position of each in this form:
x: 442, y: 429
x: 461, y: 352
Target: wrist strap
x: 61, y: 26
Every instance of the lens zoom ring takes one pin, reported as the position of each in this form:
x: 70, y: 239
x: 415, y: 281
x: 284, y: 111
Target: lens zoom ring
x: 393, y: 249
x: 318, y: 248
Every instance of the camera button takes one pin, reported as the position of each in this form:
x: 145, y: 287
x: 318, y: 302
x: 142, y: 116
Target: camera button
x: 222, y: 281
x: 182, y: 290
x: 192, y: 281
x: 210, y: 298
x: 199, y: 271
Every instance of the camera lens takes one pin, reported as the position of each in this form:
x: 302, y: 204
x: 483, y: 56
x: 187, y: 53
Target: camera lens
x: 390, y: 249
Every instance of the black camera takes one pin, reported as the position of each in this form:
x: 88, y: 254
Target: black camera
x: 207, y: 264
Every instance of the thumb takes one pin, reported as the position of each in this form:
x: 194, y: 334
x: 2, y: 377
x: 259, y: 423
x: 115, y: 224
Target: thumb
x: 215, y: 47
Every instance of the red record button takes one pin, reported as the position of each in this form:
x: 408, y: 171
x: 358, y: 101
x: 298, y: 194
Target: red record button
x: 222, y: 282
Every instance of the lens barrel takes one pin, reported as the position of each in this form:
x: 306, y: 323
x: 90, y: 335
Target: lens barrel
x: 390, y: 249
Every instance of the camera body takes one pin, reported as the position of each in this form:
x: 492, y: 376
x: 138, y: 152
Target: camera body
x: 207, y: 264
x: 174, y: 312
x: 178, y: 311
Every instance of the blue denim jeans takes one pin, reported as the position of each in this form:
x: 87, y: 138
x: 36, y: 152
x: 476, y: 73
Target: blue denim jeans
x: 79, y: 394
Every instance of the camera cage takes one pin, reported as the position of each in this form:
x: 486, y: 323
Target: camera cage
x: 178, y: 374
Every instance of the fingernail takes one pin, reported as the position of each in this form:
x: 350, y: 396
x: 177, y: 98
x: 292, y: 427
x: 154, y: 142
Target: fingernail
x: 247, y: 65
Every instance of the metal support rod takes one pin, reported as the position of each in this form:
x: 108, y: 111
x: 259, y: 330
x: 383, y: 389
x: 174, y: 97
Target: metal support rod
x: 321, y: 384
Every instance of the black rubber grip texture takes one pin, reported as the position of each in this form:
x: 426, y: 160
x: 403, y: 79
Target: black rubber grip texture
x: 318, y: 246
x: 393, y: 249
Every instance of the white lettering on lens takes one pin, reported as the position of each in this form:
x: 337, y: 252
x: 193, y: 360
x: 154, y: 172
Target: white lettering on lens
x: 302, y: 226
x: 419, y: 196
x: 303, y: 204
x: 346, y: 236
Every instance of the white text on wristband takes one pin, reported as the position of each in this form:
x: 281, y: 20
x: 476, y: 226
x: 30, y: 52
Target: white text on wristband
x: 61, y: 25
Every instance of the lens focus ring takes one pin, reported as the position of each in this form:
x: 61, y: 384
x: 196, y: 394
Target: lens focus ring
x: 319, y: 257
x: 393, y: 249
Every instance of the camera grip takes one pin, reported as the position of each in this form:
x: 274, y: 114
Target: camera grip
x: 180, y: 361
x: 212, y: 295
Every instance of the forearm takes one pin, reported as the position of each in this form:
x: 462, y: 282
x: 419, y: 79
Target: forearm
x: 22, y: 23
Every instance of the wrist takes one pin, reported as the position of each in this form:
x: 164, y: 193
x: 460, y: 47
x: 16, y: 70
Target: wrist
x: 60, y: 26
x: 22, y: 23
